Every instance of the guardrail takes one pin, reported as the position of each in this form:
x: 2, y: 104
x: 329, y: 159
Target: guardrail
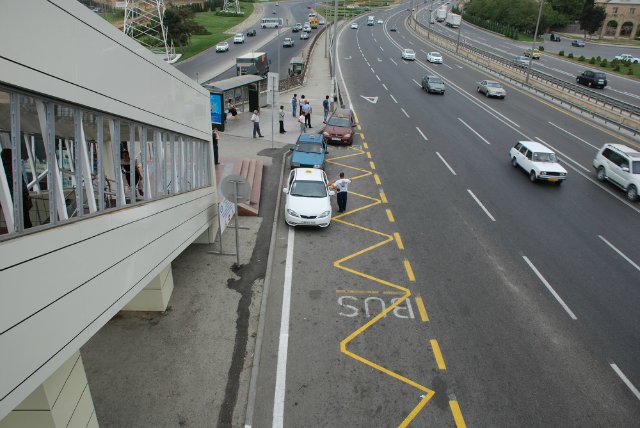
x: 297, y: 80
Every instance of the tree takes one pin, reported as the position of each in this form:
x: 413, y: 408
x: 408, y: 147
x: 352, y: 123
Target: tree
x: 569, y: 8
x: 181, y: 25
x: 592, y: 17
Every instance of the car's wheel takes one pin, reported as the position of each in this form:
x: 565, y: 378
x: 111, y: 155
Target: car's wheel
x: 577, y: 80
x: 589, y: 84
x: 632, y: 193
x: 514, y: 162
x: 486, y: 94
x: 601, y: 175
x: 532, y: 176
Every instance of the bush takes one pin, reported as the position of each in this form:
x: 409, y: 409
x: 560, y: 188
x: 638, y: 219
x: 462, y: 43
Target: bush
x: 630, y: 72
x: 561, y: 53
x: 592, y: 60
x: 541, y: 48
x: 616, y: 67
x: 582, y: 58
x: 570, y: 55
x: 604, y: 63
x: 598, y: 58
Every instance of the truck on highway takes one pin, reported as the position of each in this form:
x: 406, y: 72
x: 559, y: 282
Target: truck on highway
x: 252, y: 63
x: 441, y: 14
x: 371, y: 21
x: 453, y: 20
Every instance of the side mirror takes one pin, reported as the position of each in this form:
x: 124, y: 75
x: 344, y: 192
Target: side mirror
x: 285, y: 190
x: 291, y: 149
x: 625, y: 168
x: 332, y: 192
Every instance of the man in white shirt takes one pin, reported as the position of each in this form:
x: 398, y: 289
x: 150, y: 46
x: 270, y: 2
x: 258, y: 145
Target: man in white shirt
x: 341, y: 185
x: 255, y: 118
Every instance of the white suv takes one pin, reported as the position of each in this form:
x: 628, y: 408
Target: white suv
x: 238, y: 38
x: 620, y: 165
x: 538, y: 161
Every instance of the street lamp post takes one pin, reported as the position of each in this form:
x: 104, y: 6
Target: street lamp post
x: 533, y: 44
x: 335, y: 34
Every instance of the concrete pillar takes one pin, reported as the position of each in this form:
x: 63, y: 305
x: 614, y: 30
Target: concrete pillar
x: 155, y: 296
x: 63, y: 400
x: 209, y: 235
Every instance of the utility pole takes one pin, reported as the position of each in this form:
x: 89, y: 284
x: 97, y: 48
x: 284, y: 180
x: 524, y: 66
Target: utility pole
x: 533, y: 44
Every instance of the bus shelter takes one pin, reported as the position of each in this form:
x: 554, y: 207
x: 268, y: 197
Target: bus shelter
x: 243, y: 90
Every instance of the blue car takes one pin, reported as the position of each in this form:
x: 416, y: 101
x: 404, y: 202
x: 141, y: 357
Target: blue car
x: 309, y: 151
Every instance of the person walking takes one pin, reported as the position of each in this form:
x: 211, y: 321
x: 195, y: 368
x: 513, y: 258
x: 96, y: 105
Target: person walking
x: 281, y: 118
x: 302, y: 101
x: 215, y: 137
x: 334, y: 104
x: 294, y: 104
x: 303, y: 123
x: 341, y: 185
x: 325, y: 107
x: 256, y: 124
x: 306, y: 109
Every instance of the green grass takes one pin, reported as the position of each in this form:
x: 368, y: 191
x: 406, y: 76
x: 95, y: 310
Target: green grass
x: 113, y: 17
x: 216, y: 25
x: 624, y: 69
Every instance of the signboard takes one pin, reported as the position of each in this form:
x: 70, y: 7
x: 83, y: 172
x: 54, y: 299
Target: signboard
x: 216, y: 103
x: 273, y: 81
x: 226, y: 210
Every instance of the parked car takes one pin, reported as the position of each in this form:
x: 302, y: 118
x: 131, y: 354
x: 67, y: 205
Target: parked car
x: 251, y: 32
x: 408, y: 54
x: 432, y: 83
x: 339, y: 127
x: 592, y: 79
x: 491, y: 88
x: 577, y: 43
x: 238, y: 38
x: 222, y: 47
x: 309, y: 151
x: 620, y: 165
x: 354, y: 25
x: 304, y: 36
x: 434, y: 57
x: 538, y: 161
x: 288, y: 42
x: 536, y: 53
x: 308, y: 200
x: 628, y: 58
x: 555, y: 37
x: 520, y: 61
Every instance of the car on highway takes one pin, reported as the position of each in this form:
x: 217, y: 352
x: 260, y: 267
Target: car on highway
x: 520, y: 62
x: 408, y: 54
x: 380, y: 21
x: 554, y: 37
x: 304, y: 36
x: 627, y: 58
x: 309, y: 151
x: 251, y: 32
x: 296, y: 28
x: 537, y: 160
x: 592, y: 79
x: 536, y: 53
x: 393, y: 29
x: 321, y: 21
x: 273, y: 12
x: 491, y: 88
x: 577, y: 43
x: 238, y: 38
x: 620, y: 165
x: 433, y: 84
x: 354, y: 25
x: 222, y: 47
x: 306, y: 29
x: 287, y: 42
x: 308, y: 198
x: 339, y: 127
x: 434, y: 57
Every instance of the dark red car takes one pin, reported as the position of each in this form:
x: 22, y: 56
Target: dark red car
x: 339, y: 127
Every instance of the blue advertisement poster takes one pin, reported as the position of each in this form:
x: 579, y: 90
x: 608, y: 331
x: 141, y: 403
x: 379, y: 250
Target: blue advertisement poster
x: 216, y: 108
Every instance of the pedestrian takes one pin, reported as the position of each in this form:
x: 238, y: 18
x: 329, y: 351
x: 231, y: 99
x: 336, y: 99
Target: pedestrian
x: 325, y: 107
x: 334, y: 105
x: 215, y: 137
x: 255, y: 118
x: 341, y: 185
x: 294, y: 104
x: 302, y: 101
x: 233, y: 110
x: 303, y: 123
x: 306, y: 109
x: 281, y: 117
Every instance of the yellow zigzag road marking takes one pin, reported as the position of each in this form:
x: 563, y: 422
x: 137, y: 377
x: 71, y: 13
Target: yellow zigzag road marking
x: 338, y: 264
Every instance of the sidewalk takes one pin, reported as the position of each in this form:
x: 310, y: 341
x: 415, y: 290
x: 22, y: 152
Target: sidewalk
x: 191, y: 365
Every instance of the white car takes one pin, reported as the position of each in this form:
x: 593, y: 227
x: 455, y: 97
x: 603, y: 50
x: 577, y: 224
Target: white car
x: 537, y: 160
x: 628, y: 58
x: 620, y: 165
x: 491, y: 88
x: 304, y: 36
x: 380, y: 21
x: 288, y: 42
x: 238, y: 38
x: 434, y: 57
x: 321, y: 22
x: 222, y: 47
x: 408, y: 54
x: 308, y: 200
x: 306, y: 29
x: 354, y: 25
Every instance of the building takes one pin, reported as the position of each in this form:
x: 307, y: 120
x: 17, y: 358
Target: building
x: 623, y: 18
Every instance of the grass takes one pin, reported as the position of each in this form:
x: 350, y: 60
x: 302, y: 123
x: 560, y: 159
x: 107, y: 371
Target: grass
x: 216, y: 25
x: 113, y: 17
x: 623, y: 69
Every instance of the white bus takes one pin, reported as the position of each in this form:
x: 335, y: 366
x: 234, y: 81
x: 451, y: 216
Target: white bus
x: 271, y: 22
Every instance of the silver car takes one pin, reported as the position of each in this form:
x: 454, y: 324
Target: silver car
x: 491, y: 88
x: 222, y: 47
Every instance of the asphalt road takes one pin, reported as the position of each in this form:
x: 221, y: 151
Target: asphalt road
x: 518, y: 301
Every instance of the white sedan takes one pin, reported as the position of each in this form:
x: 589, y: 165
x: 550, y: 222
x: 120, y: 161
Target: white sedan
x: 308, y: 200
x: 380, y: 21
x: 354, y: 25
x: 434, y: 57
x: 408, y: 54
x: 222, y: 47
x: 538, y: 161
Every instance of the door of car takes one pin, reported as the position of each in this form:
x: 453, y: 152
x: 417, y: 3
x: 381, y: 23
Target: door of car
x: 526, y: 159
x: 612, y: 161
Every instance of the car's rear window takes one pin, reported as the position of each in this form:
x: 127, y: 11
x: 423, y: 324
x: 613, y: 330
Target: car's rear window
x: 600, y: 75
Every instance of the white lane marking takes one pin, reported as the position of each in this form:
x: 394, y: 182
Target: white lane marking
x: 379, y: 60
x: 558, y: 151
x: 550, y: 288
x: 447, y: 65
x: 631, y: 262
x: 459, y: 66
x: 474, y: 131
x: 372, y: 70
x: 374, y: 39
x: 378, y: 77
x: 283, y: 345
x: 385, y: 86
x: 626, y: 381
x: 393, y: 98
x: 393, y: 61
x: 405, y: 113
x: 416, y: 82
x: 423, y: 136
x: 381, y: 49
x: 446, y: 164
x: 410, y: 42
x: 573, y: 135
x: 486, y: 211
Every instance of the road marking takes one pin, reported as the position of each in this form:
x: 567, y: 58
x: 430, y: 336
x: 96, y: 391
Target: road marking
x: 423, y: 136
x: 372, y: 165
x: 390, y: 216
x: 376, y: 178
x: 416, y: 82
x: 365, y: 145
x: 372, y: 100
x: 410, y: 42
x: 378, y: 77
x: 486, y: 211
x: 550, y: 288
x: 381, y: 49
x: 369, y: 155
x: 436, y: 352
x: 422, y: 310
x: 385, y: 86
x: 281, y: 370
x: 405, y: 113
x: 407, y: 267
x: 474, y: 131
x: 573, y: 135
x: 558, y: 151
x: 626, y: 381
x: 397, y: 293
x: 446, y: 164
x: 447, y: 65
x: 393, y: 98
x: 398, y: 239
x: 383, y: 198
x: 393, y: 61
x: 374, y: 39
x: 372, y: 70
x: 620, y: 253
x: 457, y: 414
x: 459, y: 66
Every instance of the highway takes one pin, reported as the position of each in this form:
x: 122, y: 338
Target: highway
x: 454, y: 291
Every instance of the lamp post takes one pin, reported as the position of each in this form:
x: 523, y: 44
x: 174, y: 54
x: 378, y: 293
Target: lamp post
x: 335, y: 34
x: 533, y: 44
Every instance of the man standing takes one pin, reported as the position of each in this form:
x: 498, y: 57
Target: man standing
x: 281, y: 119
x: 216, y: 137
x: 341, y: 185
x: 294, y: 104
x: 302, y: 101
x: 325, y: 107
x: 256, y: 124
x: 306, y: 109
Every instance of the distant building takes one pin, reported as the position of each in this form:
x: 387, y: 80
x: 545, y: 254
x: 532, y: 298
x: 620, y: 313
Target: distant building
x: 623, y: 18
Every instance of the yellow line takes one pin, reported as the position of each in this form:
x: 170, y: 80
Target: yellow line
x: 359, y: 127
x: 365, y: 145
x: 438, y: 354
x: 376, y: 177
x: 398, y: 241
x: 407, y: 267
x: 422, y: 309
x: 362, y: 292
x: 390, y: 216
x: 369, y: 155
x: 383, y: 198
x: 372, y: 165
x: 457, y: 414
